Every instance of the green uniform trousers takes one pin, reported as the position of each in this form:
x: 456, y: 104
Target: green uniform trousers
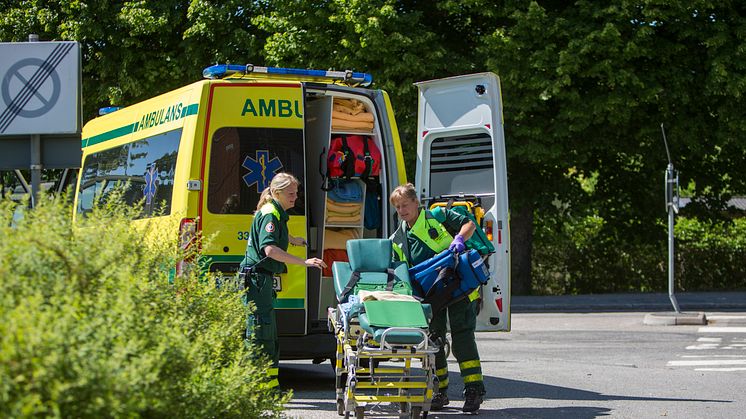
x: 462, y: 317
x: 261, y: 326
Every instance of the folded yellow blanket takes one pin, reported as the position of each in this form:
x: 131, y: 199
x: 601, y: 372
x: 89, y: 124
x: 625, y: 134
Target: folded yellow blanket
x: 337, y: 239
x: 361, y: 117
x: 342, y: 214
x: 342, y: 125
x: 343, y: 207
x: 350, y: 106
x: 344, y: 220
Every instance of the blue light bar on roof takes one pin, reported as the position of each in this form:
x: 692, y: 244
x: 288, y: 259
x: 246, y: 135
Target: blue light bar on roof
x: 108, y: 110
x: 349, y: 77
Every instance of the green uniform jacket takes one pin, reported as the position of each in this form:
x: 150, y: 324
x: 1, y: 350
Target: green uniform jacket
x: 270, y: 227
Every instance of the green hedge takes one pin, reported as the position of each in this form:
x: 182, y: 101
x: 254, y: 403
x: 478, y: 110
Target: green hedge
x: 579, y: 256
x: 91, y: 326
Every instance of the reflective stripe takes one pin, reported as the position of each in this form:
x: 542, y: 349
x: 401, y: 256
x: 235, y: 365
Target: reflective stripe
x: 469, y: 364
x: 273, y: 372
x: 274, y: 383
x: 399, y: 252
x: 472, y: 378
x: 441, y: 371
x: 443, y: 383
x: 474, y: 294
x: 269, y: 208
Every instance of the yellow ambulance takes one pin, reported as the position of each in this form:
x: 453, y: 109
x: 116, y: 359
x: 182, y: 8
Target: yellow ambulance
x: 207, y: 150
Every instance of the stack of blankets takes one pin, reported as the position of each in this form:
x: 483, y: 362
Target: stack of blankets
x: 344, y: 205
x: 351, y: 115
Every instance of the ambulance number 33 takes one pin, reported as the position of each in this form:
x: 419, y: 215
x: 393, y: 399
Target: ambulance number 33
x: 243, y: 235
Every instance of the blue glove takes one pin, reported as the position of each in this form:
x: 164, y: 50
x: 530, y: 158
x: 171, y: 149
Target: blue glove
x: 457, y: 245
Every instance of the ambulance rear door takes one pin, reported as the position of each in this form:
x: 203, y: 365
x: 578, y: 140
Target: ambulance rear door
x: 461, y: 157
x: 253, y: 131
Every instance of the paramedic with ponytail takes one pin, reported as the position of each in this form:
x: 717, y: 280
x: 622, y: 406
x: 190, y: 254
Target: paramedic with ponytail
x: 266, y: 255
x: 419, y: 237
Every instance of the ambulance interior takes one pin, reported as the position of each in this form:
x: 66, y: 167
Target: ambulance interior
x: 339, y: 208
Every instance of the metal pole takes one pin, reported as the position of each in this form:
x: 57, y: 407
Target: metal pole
x: 35, y: 168
x: 670, y: 179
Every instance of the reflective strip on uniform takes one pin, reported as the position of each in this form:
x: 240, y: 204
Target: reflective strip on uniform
x: 474, y: 295
x: 274, y: 383
x: 469, y: 364
x: 441, y: 372
x: 472, y: 378
x: 443, y: 383
x: 273, y: 372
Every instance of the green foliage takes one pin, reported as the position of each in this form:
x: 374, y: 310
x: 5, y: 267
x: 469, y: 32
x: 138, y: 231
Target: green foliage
x: 575, y: 256
x: 710, y: 254
x: 90, y: 325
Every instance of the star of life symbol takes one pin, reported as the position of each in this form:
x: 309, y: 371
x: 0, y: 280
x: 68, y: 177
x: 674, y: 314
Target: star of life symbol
x: 151, y: 183
x: 261, y: 170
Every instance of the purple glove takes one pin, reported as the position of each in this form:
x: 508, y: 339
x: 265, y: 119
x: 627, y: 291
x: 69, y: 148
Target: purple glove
x: 457, y: 245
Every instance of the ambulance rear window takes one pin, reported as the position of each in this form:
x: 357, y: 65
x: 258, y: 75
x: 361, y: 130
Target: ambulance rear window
x: 244, y: 160
x: 148, y: 165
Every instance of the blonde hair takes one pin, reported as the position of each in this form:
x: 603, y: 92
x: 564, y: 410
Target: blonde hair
x: 403, y: 191
x: 278, y: 183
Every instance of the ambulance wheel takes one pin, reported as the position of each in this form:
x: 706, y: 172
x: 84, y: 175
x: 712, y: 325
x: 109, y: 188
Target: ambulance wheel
x: 360, y: 412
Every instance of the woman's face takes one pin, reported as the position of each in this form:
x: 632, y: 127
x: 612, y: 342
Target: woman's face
x: 287, y: 197
x: 407, y: 209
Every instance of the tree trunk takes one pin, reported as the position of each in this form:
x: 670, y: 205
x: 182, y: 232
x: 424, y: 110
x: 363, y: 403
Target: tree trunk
x: 521, y: 243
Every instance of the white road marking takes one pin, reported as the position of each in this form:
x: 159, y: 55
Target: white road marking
x: 726, y: 317
x: 713, y: 356
x: 710, y: 340
x: 713, y: 329
x: 704, y: 362
x: 720, y: 369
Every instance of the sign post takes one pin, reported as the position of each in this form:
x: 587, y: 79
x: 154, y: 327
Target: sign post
x: 40, y: 107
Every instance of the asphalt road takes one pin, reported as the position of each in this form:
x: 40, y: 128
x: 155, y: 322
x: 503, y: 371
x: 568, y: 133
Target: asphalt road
x: 581, y: 365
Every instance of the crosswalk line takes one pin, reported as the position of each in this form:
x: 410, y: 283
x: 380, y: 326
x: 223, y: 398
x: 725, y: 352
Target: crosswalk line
x: 715, y: 329
x: 707, y: 362
x: 721, y: 369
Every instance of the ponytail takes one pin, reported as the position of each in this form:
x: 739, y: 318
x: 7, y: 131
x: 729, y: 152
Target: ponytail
x: 278, y: 183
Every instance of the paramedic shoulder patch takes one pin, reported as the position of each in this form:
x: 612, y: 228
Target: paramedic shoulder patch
x: 270, y: 228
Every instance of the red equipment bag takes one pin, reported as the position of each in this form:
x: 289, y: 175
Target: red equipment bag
x: 353, y: 155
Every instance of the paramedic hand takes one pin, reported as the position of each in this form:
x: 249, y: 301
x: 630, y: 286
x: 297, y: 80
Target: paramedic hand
x: 315, y: 263
x: 457, y: 245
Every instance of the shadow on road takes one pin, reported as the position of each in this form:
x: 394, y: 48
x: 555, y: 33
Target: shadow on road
x: 313, y: 389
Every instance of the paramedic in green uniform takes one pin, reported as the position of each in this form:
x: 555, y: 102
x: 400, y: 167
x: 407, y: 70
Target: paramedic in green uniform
x: 420, y: 237
x: 266, y: 255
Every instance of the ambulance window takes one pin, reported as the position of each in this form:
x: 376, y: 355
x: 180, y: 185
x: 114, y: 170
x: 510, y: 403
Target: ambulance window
x: 148, y: 165
x: 462, y: 164
x: 243, y: 162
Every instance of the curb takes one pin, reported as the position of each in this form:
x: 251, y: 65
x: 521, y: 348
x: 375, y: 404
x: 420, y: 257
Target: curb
x: 675, y: 319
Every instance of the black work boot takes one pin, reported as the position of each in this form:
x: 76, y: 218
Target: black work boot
x: 439, y: 400
x: 472, y: 399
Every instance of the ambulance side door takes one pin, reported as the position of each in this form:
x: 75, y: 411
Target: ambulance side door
x: 461, y: 153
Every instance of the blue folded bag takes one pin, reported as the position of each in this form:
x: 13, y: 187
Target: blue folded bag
x: 447, y: 278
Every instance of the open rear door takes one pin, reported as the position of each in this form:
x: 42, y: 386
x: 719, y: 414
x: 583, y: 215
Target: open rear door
x: 460, y: 159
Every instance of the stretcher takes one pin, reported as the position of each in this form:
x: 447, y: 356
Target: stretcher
x: 384, y: 354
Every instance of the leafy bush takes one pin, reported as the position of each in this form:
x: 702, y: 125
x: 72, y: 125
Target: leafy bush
x: 576, y: 255
x: 91, y: 326
x: 710, y: 255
